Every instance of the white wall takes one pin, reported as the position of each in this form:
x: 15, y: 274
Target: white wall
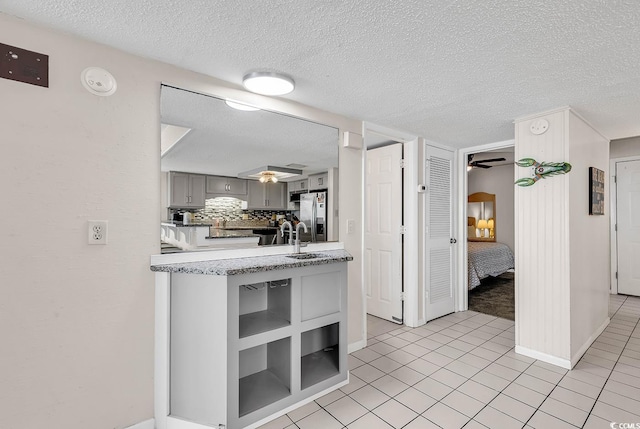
x: 625, y: 147
x: 76, y: 321
x: 542, y: 244
x: 562, y: 259
x: 497, y: 180
x: 590, y: 268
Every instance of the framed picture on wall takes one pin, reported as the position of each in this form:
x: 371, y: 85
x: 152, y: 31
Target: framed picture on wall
x: 596, y: 191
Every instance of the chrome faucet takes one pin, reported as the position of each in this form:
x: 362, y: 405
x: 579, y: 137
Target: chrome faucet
x: 296, y: 248
x: 282, y: 227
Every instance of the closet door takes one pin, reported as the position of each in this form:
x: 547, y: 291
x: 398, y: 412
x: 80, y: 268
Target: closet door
x: 628, y: 222
x: 439, y: 240
x: 383, y: 234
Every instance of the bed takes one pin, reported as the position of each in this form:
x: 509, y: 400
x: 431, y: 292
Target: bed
x: 486, y: 258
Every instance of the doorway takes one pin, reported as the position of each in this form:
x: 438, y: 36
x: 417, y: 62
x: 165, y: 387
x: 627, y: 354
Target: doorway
x: 487, y: 230
x: 627, y: 226
x: 383, y: 234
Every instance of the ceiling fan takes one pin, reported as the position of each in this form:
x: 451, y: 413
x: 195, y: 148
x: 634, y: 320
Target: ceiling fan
x: 481, y: 164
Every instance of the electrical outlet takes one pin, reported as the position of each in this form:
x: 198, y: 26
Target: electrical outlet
x: 97, y: 232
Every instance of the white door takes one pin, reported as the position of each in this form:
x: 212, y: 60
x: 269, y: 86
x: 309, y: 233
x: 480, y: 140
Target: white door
x: 628, y: 220
x: 383, y: 237
x: 439, y: 239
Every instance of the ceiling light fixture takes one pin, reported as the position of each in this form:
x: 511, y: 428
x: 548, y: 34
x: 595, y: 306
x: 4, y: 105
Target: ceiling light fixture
x: 268, y: 83
x: 240, y: 106
x: 268, y: 176
x: 267, y: 172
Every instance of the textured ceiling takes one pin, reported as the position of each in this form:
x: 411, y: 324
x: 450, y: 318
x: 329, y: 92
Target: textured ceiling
x: 456, y: 72
x: 226, y: 141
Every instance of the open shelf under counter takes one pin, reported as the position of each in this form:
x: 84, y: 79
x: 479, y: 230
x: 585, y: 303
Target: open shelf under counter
x: 320, y: 357
x: 252, y: 338
x: 259, y: 390
x: 264, y: 306
x: 259, y: 322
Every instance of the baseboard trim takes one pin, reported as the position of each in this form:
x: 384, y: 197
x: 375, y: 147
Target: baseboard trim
x: 576, y: 357
x: 147, y: 424
x: 354, y: 347
x: 553, y: 360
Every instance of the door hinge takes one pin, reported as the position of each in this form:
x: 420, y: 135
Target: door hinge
x: 616, y: 275
x: 403, y: 229
x: 403, y: 296
x: 402, y: 163
x: 615, y: 227
x: 615, y: 179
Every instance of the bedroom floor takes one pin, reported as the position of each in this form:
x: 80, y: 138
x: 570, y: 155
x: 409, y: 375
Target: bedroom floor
x: 461, y: 371
x: 495, y: 296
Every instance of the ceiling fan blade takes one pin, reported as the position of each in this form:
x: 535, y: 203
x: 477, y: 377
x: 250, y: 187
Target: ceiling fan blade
x: 481, y: 165
x: 492, y: 160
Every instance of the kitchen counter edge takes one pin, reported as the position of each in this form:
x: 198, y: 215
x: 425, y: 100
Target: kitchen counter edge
x: 254, y: 264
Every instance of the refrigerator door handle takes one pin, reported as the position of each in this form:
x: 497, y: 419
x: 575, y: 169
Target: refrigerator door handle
x: 314, y: 214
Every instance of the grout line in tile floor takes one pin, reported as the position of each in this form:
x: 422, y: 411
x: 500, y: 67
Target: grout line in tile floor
x: 637, y: 325
x: 394, y: 385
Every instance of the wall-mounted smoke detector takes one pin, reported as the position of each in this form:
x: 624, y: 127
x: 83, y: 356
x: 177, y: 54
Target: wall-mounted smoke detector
x: 539, y: 126
x: 98, y: 81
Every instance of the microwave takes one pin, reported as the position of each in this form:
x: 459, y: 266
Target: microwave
x: 294, y: 197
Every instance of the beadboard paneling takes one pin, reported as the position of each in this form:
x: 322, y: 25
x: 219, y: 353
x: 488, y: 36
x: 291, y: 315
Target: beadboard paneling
x: 542, y: 243
x: 590, y: 268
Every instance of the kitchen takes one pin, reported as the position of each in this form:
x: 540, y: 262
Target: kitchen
x: 215, y: 199
x: 227, y: 260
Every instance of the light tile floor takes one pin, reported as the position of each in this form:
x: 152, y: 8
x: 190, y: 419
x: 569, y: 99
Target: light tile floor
x: 461, y: 371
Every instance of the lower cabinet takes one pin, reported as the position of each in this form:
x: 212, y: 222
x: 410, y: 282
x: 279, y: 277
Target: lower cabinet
x: 246, y: 347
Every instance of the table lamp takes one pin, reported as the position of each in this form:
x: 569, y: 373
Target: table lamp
x: 482, y: 225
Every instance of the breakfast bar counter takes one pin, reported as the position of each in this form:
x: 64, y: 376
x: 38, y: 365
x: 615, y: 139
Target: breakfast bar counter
x: 229, y: 267
x: 244, y: 336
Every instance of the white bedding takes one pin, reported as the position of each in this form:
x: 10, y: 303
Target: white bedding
x: 488, y: 259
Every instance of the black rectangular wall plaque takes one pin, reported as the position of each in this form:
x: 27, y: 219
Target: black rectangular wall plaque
x: 596, y: 191
x: 24, y: 66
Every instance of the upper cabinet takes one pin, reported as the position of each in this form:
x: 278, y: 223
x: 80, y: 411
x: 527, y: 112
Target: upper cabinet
x: 227, y: 186
x: 186, y: 190
x: 318, y: 181
x: 298, y: 185
x: 267, y: 196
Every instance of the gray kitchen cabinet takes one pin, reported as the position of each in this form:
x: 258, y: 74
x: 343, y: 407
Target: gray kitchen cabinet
x: 299, y: 186
x: 226, y: 186
x: 186, y: 190
x: 318, y: 181
x: 244, y: 347
x: 267, y: 196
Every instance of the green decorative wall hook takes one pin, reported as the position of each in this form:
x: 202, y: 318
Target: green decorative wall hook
x: 541, y: 170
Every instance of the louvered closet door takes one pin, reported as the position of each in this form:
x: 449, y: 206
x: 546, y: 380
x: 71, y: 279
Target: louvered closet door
x: 439, y: 233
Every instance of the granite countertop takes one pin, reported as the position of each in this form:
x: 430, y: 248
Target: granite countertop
x: 256, y: 264
x: 225, y: 233
x: 180, y: 224
x: 242, y: 228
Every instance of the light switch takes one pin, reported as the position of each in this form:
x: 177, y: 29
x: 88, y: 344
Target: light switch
x: 351, y: 226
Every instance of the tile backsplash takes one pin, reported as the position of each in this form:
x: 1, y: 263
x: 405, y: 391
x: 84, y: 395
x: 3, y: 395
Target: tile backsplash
x: 229, y: 209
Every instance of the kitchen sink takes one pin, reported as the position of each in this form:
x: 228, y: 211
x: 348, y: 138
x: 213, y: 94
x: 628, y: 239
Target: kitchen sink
x: 305, y: 255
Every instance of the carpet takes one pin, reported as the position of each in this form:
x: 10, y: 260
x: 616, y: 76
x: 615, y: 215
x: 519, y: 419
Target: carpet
x: 494, y: 296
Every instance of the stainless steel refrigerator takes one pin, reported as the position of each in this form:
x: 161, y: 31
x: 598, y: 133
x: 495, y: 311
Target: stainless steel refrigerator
x: 313, y: 212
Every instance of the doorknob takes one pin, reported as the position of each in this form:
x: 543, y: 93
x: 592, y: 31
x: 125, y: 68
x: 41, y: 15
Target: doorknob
x: 453, y: 241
